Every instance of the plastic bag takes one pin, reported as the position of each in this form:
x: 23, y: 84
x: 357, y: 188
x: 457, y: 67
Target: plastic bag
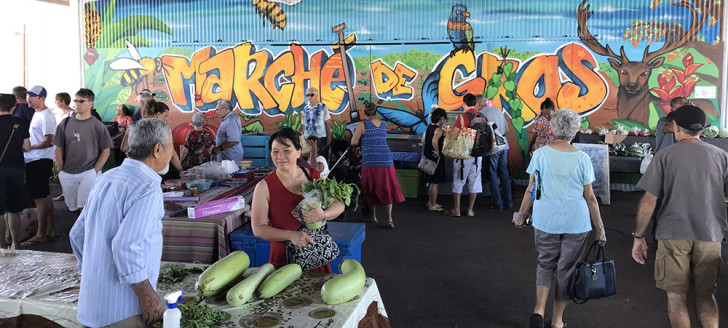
x: 645, y: 163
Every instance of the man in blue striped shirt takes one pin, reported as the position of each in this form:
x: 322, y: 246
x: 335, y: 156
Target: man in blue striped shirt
x: 118, y: 237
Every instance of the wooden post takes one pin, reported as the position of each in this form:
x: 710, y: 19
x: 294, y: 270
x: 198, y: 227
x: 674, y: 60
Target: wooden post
x: 353, y: 112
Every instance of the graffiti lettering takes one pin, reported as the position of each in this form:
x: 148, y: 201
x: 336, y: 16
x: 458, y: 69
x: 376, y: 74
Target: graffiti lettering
x: 254, y: 80
x: 569, y: 77
x: 392, y: 83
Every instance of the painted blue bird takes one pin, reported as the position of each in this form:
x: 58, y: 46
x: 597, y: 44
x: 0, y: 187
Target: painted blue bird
x: 459, y: 31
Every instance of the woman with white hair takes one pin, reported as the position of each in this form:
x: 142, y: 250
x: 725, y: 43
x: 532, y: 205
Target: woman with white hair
x: 563, y: 207
x: 198, y: 144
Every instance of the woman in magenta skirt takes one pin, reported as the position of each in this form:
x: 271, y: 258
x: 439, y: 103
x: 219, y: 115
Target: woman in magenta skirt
x: 378, y: 178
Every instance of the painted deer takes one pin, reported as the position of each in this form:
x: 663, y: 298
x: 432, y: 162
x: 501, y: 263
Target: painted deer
x: 633, y: 96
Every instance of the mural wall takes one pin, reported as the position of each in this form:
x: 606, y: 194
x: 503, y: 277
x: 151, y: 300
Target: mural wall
x: 612, y: 61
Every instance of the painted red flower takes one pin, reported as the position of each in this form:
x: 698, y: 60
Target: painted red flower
x: 664, y: 96
x: 679, y: 75
x: 688, y: 60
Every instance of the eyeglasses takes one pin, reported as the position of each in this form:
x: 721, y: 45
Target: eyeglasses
x: 310, y: 94
x: 79, y: 101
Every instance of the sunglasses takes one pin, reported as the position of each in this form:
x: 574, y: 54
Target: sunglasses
x: 310, y: 94
x: 80, y: 101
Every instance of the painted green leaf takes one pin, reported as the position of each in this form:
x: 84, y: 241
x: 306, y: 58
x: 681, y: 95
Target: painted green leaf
x: 492, y: 91
x: 107, y: 16
x: 585, y: 123
x: 254, y: 127
x: 509, y: 85
x: 508, y: 68
x: 518, y: 123
x: 524, y: 145
x: 497, y: 77
x: 629, y: 124
x: 497, y: 84
x: 515, y: 104
x: 130, y: 26
x: 161, y: 95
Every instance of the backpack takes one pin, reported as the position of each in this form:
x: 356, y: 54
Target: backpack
x: 488, y: 140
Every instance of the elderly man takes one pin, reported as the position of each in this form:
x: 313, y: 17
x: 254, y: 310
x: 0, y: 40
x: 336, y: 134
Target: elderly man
x: 118, y: 237
x: 692, y: 219
x: 316, y: 120
x: 227, y: 141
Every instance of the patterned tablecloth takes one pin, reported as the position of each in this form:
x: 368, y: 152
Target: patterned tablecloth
x: 43, y: 288
x: 204, y: 240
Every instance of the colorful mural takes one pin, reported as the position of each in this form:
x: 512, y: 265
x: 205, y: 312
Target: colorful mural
x: 284, y: 47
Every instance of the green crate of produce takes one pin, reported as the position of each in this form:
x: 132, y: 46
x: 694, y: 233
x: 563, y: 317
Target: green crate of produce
x: 409, y: 182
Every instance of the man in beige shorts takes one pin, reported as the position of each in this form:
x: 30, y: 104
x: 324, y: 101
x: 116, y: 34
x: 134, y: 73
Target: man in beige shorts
x: 692, y: 219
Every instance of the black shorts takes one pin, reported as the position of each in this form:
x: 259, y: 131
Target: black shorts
x: 12, y: 190
x: 37, y: 178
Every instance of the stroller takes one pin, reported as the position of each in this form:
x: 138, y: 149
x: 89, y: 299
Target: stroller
x: 344, y: 166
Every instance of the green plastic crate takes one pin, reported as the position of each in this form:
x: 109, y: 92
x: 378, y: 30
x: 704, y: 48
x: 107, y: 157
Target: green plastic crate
x: 409, y: 182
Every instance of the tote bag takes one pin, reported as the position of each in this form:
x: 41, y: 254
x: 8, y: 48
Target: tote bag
x: 460, y: 145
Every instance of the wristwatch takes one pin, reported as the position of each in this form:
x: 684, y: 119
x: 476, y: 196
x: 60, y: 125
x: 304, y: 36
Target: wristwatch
x: 635, y: 236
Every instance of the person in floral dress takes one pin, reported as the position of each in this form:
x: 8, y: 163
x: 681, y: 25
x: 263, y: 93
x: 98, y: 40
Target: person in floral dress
x: 198, y: 144
x: 544, y: 135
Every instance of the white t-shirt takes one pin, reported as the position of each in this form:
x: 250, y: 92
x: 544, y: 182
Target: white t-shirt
x: 42, y: 124
x: 325, y: 171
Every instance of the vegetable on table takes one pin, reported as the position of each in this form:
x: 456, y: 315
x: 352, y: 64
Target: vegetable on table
x: 174, y: 274
x: 279, y: 280
x: 323, y: 192
x: 222, y: 273
x: 243, y: 291
x: 347, y: 285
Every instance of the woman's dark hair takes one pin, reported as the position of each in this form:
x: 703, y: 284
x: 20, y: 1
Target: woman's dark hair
x: 437, y: 114
x: 7, y: 102
x: 126, y: 110
x: 286, y: 136
x: 370, y: 109
x: 153, y: 107
x: 547, y: 104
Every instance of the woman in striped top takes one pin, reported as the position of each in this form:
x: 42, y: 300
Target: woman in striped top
x: 379, y: 183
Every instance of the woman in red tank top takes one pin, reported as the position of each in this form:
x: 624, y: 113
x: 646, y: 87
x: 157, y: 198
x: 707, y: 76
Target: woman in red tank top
x: 279, y: 193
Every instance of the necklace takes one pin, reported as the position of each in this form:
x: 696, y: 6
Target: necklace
x: 289, y: 181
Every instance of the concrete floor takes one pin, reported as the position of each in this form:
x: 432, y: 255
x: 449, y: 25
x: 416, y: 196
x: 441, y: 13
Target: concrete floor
x: 439, y: 271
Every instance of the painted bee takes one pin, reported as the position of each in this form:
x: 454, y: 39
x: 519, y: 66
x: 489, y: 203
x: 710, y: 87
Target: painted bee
x: 137, y: 68
x: 269, y: 9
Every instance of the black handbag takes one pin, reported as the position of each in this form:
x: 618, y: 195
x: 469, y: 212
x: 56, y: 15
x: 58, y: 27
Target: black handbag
x: 593, y: 279
x: 314, y: 256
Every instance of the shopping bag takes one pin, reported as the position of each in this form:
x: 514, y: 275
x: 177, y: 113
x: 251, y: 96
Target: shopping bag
x: 458, y: 145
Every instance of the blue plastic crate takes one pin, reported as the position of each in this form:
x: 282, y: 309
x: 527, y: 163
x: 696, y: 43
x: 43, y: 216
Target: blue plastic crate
x: 348, y: 236
x: 255, y: 148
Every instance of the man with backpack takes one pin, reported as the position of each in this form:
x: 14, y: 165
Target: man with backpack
x: 466, y: 171
x: 498, y: 159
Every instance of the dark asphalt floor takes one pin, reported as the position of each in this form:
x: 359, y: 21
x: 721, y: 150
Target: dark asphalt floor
x: 439, y: 271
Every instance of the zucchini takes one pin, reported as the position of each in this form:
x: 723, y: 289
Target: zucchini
x: 347, y: 285
x: 222, y: 274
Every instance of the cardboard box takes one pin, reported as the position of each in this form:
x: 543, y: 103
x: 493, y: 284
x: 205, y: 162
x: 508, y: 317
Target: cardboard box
x: 216, y: 207
x: 613, y: 138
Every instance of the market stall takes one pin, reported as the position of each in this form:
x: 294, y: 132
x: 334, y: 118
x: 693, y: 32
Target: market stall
x: 204, y: 240
x: 40, y: 289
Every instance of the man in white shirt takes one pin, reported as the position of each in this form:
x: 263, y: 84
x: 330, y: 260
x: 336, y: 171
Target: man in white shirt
x: 316, y: 120
x: 39, y: 164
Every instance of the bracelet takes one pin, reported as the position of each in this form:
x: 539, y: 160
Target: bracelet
x: 521, y: 214
x: 635, y: 236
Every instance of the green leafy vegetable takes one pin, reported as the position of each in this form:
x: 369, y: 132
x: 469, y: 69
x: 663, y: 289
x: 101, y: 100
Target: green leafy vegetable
x: 174, y: 274
x: 323, y: 192
x: 199, y: 316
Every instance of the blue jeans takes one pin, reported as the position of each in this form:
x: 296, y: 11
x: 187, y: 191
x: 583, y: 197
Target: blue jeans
x: 499, y: 169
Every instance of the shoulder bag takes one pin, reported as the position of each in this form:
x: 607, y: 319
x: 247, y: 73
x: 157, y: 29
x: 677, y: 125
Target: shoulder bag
x: 15, y: 127
x: 594, y: 278
x: 458, y: 146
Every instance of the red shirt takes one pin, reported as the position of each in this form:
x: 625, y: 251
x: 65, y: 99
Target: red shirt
x: 465, y: 118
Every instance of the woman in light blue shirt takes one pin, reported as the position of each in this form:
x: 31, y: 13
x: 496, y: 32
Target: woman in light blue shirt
x: 561, y: 213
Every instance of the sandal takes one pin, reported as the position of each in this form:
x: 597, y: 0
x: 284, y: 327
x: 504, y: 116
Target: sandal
x: 536, y: 321
x: 451, y: 213
x: 390, y: 225
x: 435, y: 208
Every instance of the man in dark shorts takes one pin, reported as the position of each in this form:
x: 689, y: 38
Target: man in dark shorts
x: 13, y: 142
x: 39, y: 164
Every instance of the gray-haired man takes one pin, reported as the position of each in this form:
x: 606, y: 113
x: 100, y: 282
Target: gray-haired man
x: 229, y: 134
x: 118, y: 237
